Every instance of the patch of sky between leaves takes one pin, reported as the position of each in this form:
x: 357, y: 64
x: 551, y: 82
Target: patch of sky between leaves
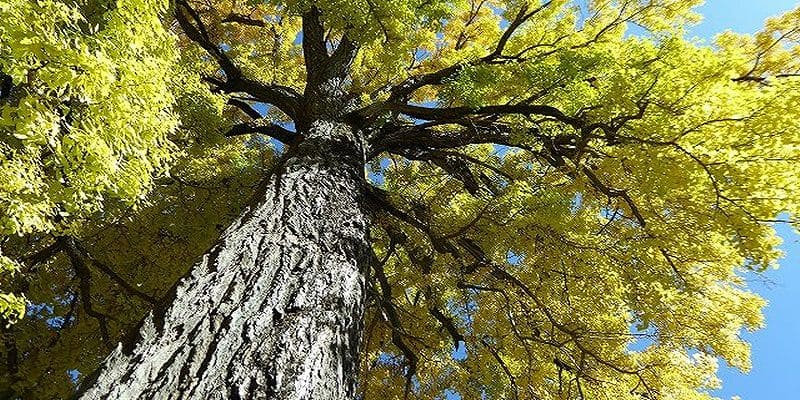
x: 258, y: 140
x: 642, y: 336
x: 74, y: 375
x: 378, y: 176
x: 46, y: 312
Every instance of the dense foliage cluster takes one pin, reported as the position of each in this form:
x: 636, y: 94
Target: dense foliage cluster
x: 568, y: 207
x: 85, y: 112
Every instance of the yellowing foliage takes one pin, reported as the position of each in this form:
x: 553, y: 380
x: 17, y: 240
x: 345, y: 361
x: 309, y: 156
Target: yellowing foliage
x: 89, y: 116
x: 605, y: 259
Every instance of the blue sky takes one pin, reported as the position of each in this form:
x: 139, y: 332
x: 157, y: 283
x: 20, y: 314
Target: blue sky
x: 776, y: 349
x: 775, y: 373
x: 746, y: 16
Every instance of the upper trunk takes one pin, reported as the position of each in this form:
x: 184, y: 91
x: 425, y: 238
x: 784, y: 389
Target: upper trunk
x: 275, y: 309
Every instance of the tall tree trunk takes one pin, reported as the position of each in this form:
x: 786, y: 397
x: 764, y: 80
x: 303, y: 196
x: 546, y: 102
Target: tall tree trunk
x: 274, y: 310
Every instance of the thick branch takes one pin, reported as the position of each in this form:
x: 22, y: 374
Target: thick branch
x: 285, y: 98
x: 454, y: 166
x: 344, y: 54
x: 457, y: 113
x: 327, y: 75
x: 272, y: 130
x: 449, y: 324
x: 85, y: 288
x: 245, y: 108
x: 399, y: 138
x: 315, y: 51
x: 6, y: 85
x: 198, y: 33
x: 244, y: 20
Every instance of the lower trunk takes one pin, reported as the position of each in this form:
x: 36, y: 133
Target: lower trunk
x: 274, y: 310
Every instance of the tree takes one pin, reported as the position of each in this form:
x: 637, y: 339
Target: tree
x: 503, y: 199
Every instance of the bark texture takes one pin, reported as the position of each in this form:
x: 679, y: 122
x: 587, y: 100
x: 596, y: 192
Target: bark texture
x: 274, y: 310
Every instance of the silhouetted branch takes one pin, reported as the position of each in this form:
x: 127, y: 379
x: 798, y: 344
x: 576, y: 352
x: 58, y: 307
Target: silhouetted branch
x: 85, y: 289
x: 284, y: 98
x: 272, y: 130
x: 244, y: 20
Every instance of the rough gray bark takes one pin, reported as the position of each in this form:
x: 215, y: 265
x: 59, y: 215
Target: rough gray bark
x: 274, y: 310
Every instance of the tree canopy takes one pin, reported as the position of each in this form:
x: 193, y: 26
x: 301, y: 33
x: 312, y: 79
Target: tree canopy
x: 567, y: 197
